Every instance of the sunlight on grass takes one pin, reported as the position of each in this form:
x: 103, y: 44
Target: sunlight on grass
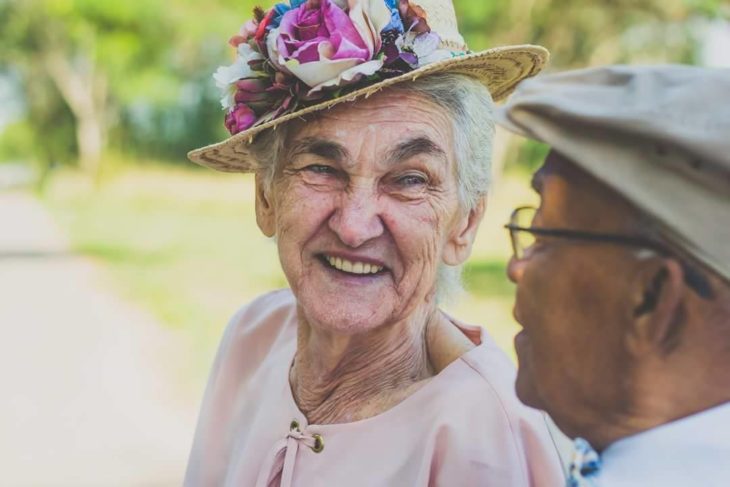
x: 184, y: 244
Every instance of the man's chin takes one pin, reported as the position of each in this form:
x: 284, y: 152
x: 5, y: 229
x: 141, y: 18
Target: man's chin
x: 524, y: 384
x: 526, y: 394
x: 525, y: 389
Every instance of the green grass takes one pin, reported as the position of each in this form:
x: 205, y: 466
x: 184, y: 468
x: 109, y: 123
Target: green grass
x: 184, y: 244
x: 486, y: 279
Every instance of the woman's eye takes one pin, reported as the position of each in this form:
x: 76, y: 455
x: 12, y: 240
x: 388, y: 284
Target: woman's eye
x: 412, y: 180
x: 320, y: 169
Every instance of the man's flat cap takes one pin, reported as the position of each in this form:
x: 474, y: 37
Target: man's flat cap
x: 658, y: 135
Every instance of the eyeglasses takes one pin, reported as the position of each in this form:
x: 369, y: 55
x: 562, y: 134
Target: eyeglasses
x: 523, y: 236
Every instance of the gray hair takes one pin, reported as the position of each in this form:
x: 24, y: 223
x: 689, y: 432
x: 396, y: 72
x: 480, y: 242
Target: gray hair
x: 471, y: 108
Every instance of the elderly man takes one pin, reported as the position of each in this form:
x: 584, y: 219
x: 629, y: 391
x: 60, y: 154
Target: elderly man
x: 623, y: 272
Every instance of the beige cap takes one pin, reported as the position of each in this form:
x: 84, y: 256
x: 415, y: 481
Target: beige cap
x: 658, y: 135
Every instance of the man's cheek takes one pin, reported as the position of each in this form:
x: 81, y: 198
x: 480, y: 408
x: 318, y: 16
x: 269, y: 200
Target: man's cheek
x: 534, y: 296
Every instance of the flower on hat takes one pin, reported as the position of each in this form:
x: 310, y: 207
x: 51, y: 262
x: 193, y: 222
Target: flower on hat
x: 281, y: 9
x: 227, y: 77
x: 425, y: 47
x: 240, y: 118
x: 414, y: 17
x: 248, y: 30
x: 323, y: 45
x: 307, y: 50
x: 396, y: 23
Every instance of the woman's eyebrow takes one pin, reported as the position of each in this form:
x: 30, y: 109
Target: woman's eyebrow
x: 323, y: 148
x: 415, y: 147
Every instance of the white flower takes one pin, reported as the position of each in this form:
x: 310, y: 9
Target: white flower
x: 424, y: 46
x: 370, y: 17
x: 346, y: 77
x: 246, y: 52
x: 435, y: 56
x: 226, y: 76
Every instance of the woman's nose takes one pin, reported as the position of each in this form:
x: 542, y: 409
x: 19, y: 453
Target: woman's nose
x: 357, y: 219
x: 515, y: 269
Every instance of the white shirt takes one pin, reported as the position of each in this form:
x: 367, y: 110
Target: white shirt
x: 693, y: 451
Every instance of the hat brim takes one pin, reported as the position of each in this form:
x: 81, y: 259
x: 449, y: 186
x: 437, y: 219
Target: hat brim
x: 499, y: 69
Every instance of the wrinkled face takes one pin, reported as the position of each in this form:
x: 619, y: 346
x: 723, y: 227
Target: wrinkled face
x: 365, y: 208
x: 573, y: 302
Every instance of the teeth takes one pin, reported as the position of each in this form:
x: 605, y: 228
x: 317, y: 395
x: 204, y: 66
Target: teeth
x: 353, y: 267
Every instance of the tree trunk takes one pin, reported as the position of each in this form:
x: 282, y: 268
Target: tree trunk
x: 90, y: 140
x: 85, y: 94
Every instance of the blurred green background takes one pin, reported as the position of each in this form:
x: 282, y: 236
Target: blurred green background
x: 102, y: 100
x: 99, y: 103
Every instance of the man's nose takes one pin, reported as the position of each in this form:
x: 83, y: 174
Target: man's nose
x: 515, y: 269
x: 357, y: 218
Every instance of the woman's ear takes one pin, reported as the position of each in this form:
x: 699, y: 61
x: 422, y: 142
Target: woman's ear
x: 265, y: 215
x: 458, y: 247
x: 657, y: 304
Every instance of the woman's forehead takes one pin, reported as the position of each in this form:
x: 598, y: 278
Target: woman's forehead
x: 380, y: 124
x: 390, y: 108
x: 412, y: 146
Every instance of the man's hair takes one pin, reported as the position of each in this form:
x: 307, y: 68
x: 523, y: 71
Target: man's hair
x: 469, y: 105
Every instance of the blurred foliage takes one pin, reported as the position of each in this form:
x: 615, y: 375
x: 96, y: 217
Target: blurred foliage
x: 486, y: 278
x: 134, y: 76
x: 591, y: 32
x: 135, y: 72
x: 527, y: 155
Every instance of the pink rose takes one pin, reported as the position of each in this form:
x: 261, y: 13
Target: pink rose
x: 324, y: 45
x: 320, y: 23
x: 254, y: 92
x: 240, y: 118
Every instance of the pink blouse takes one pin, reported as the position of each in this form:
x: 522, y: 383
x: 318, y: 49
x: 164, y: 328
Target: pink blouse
x: 465, y: 427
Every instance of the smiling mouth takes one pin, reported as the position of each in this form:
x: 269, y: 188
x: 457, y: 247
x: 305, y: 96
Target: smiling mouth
x: 352, y: 267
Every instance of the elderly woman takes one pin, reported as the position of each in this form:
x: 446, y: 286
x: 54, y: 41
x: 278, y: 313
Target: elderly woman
x: 354, y: 376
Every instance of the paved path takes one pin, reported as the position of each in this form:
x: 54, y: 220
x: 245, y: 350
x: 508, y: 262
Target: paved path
x: 87, y: 395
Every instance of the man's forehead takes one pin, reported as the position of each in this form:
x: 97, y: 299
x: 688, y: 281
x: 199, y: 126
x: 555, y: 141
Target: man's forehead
x: 565, y: 188
x: 555, y: 165
x: 580, y: 198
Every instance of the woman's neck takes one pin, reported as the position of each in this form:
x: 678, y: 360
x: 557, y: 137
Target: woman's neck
x: 341, y: 379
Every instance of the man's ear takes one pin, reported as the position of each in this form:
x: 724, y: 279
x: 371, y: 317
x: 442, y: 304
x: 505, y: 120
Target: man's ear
x: 458, y: 247
x: 657, y: 304
x: 265, y: 215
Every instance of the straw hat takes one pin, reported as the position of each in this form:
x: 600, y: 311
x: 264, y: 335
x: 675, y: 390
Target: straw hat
x: 500, y: 69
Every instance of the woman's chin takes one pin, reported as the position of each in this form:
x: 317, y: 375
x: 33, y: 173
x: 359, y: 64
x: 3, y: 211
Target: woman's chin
x: 342, y: 314
x: 344, y: 310
x: 346, y: 302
